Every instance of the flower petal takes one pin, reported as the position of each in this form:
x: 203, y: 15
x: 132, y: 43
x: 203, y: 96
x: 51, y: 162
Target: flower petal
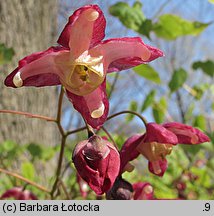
x: 93, y: 107
x: 158, y: 167
x: 85, y: 29
x: 127, y: 51
x: 126, y: 63
x: 128, y: 151
x: 186, y: 134
x: 38, y: 69
x: 99, y: 174
x: 158, y: 133
x: 143, y: 191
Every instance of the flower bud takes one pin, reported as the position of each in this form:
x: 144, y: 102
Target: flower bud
x: 97, y: 162
x: 18, y: 194
x: 121, y: 190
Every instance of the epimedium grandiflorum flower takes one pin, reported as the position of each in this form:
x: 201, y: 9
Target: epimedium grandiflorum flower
x: 18, y: 193
x: 97, y: 162
x: 143, y: 191
x: 157, y: 142
x: 121, y: 190
x: 81, y: 63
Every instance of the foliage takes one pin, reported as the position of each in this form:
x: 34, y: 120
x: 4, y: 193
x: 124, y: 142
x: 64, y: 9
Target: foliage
x: 6, y: 54
x: 168, y: 26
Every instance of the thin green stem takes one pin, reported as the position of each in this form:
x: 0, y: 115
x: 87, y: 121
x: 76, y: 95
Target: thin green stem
x: 113, y: 85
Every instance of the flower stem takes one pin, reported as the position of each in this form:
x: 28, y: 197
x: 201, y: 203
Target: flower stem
x: 27, y: 114
x: 75, y: 131
x: 63, y: 141
x: 110, y: 137
x: 113, y: 84
x: 59, y: 111
x: 25, y: 180
x: 129, y: 112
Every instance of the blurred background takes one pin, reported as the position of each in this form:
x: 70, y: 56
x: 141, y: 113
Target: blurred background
x: 178, y: 87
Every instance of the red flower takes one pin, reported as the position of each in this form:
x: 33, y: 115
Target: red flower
x: 81, y: 63
x: 98, y: 162
x: 143, y: 191
x: 18, y: 194
x: 121, y: 190
x: 158, y: 142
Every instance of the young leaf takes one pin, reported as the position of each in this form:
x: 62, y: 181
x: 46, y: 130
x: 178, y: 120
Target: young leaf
x: 178, y: 78
x: 133, y: 107
x: 148, y: 72
x: 207, y: 67
x: 200, y: 122
x: 171, y: 26
x: 131, y: 17
x: 148, y: 100
x: 6, y: 54
x: 28, y: 171
x: 200, y: 90
x: 35, y: 150
x: 159, y: 110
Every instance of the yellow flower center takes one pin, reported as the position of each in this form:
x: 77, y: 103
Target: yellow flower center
x: 155, y: 151
x: 83, y: 72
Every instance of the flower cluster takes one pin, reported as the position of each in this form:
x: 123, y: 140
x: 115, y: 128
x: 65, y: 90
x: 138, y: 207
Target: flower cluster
x: 80, y: 63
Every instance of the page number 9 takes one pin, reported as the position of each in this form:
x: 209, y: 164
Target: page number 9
x: 207, y: 207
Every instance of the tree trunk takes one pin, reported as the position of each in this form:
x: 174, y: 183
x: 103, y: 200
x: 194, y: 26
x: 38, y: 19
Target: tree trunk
x: 27, y: 26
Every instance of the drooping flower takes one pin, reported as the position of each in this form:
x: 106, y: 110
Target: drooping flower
x: 18, y: 193
x: 81, y: 63
x: 158, y: 142
x: 143, y: 191
x: 121, y: 190
x: 98, y: 162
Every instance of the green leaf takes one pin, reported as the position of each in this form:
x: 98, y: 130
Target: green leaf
x: 147, y: 72
x: 148, y: 100
x: 133, y: 107
x: 200, y: 122
x: 132, y: 17
x: 171, y: 26
x: 159, y: 110
x: 8, y: 145
x: 211, y: 1
x: 207, y: 67
x: 108, y: 87
x: 6, y: 54
x: 28, y: 170
x: 35, y: 150
x: 200, y: 90
x: 212, y: 106
x: 178, y: 78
